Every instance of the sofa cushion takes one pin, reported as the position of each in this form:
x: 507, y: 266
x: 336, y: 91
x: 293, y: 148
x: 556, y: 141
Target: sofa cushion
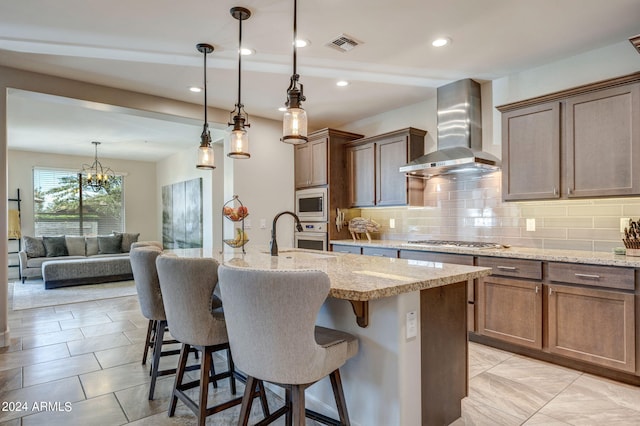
x: 109, y: 244
x: 33, y: 247
x: 76, y: 246
x: 55, y: 246
x: 127, y: 239
x: 36, y: 262
x: 92, y: 245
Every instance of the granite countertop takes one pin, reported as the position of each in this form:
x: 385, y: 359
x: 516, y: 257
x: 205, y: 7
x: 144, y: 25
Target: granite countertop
x: 567, y: 256
x: 353, y: 277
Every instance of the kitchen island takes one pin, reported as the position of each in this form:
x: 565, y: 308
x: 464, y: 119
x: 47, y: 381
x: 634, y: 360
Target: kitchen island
x: 412, y: 365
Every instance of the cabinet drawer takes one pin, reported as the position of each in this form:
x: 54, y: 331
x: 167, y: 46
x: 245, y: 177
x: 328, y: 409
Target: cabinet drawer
x: 520, y: 268
x: 379, y: 251
x: 347, y: 249
x: 594, y: 275
x: 428, y: 256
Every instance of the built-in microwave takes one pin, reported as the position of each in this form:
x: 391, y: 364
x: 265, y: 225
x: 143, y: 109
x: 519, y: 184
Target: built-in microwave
x: 312, y: 205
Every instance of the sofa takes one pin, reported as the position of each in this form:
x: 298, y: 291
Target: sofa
x: 63, y: 261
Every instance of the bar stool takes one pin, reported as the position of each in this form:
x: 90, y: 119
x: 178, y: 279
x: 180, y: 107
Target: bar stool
x: 271, y: 319
x: 143, y: 266
x: 187, y: 285
x: 148, y: 343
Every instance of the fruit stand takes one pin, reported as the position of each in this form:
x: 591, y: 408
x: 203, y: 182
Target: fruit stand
x: 236, y: 212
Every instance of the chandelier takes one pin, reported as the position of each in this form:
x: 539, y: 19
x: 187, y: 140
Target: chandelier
x: 97, y: 176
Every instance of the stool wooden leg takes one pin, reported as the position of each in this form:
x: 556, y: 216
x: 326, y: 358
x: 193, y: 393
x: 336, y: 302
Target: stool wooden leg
x: 338, y: 393
x: 182, y: 364
x: 147, y: 342
x: 157, y: 352
x: 247, y: 401
x: 288, y: 417
x: 263, y: 398
x: 297, y: 405
x: 204, y: 386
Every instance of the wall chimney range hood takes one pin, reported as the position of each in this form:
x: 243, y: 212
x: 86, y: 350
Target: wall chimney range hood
x: 459, y: 135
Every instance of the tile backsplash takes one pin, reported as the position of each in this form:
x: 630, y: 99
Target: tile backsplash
x: 471, y: 208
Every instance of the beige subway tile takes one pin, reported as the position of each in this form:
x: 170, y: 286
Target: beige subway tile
x: 543, y: 211
x: 606, y: 222
x: 595, y: 210
x: 542, y: 232
x: 606, y: 246
x: 567, y: 222
x: 631, y: 210
x: 567, y: 245
x: 593, y: 234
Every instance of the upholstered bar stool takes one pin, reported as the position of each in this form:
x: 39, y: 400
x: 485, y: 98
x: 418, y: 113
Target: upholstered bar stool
x: 187, y: 286
x: 143, y: 266
x: 271, y: 319
x: 148, y: 342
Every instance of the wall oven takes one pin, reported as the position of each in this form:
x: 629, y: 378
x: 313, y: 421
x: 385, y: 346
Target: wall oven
x: 312, y: 205
x: 314, y: 236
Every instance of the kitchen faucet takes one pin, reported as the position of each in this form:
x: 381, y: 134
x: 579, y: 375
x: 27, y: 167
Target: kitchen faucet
x: 274, y: 243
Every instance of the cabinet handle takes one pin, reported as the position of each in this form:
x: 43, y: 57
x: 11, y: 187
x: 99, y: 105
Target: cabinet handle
x: 550, y: 291
x: 555, y: 191
x: 588, y: 276
x: 537, y: 289
x: 569, y: 191
x: 507, y: 268
x: 377, y: 254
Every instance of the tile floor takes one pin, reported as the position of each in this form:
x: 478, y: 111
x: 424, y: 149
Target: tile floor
x: 88, y: 355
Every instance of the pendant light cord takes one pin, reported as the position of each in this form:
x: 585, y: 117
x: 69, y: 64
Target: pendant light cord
x: 239, y: 66
x: 205, y: 88
x: 295, y: 35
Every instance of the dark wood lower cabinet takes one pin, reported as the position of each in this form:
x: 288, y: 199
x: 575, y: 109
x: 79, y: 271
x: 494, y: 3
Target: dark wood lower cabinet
x: 593, y: 325
x: 510, y: 310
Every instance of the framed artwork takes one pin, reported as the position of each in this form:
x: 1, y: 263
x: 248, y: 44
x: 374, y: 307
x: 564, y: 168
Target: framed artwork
x: 182, y: 214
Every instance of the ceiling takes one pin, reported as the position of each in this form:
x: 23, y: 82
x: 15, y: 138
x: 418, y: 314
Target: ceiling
x: 148, y: 46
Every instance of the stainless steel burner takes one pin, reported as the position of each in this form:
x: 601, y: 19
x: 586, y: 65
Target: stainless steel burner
x: 464, y: 244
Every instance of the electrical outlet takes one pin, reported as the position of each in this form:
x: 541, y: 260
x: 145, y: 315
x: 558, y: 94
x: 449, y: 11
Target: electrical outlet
x: 392, y: 223
x: 412, y: 324
x: 531, y: 225
x: 263, y: 223
x: 624, y: 223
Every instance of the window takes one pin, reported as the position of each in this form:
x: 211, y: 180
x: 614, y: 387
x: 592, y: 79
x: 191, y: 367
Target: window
x: 65, y: 205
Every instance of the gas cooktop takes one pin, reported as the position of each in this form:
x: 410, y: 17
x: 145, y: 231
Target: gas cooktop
x: 462, y: 244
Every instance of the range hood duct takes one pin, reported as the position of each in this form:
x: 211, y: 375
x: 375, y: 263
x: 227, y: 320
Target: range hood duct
x: 459, y: 135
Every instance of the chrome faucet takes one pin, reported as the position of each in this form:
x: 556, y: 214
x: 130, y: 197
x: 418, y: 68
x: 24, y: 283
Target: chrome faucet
x: 274, y: 243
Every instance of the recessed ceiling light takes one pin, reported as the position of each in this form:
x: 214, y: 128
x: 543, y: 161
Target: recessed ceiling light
x: 302, y: 43
x: 441, y: 42
x: 195, y: 89
x: 246, y: 51
x: 342, y: 83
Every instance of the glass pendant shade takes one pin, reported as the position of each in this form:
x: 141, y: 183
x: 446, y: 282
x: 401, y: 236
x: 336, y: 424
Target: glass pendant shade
x: 294, y: 126
x: 205, y: 158
x: 239, y: 144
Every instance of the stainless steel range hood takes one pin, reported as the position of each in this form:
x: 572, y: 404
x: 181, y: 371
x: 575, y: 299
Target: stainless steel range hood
x: 459, y: 135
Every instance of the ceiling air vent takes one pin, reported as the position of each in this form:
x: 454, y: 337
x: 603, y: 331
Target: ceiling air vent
x: 343, y: 43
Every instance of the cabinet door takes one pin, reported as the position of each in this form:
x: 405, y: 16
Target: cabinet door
x: 531, y: 153
x: 380, y: 252
x: 361, y: 165
x: 391, y: 185
x: 302, y: 165
x: 311, y: 163
x: 592, y: 325
x: 510, y: 310
x: 318, y: 162
x: 339, y: 248
x: 603, y: 142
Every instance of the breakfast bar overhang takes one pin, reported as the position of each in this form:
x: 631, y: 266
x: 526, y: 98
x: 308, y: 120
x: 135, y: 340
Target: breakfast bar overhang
x: 399, y: 377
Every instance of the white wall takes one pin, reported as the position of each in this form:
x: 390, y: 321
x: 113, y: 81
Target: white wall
x: 139, y: 187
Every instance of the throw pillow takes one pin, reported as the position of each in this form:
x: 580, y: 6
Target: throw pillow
x: 75, y: 245
x: 92, y: 245
x: 33, y: 247
x: 109, y: 244
x: 55, y: 246
x: 127, y: 240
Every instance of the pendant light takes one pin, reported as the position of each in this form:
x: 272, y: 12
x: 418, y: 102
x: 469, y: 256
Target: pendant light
x: 205, y: 150
x: 294, y: 123
x: 239, y: 146
x: 97, y: 176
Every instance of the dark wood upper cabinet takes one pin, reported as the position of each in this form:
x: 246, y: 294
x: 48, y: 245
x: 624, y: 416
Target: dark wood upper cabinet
x: 373, y: 167
x: 581, y: 142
